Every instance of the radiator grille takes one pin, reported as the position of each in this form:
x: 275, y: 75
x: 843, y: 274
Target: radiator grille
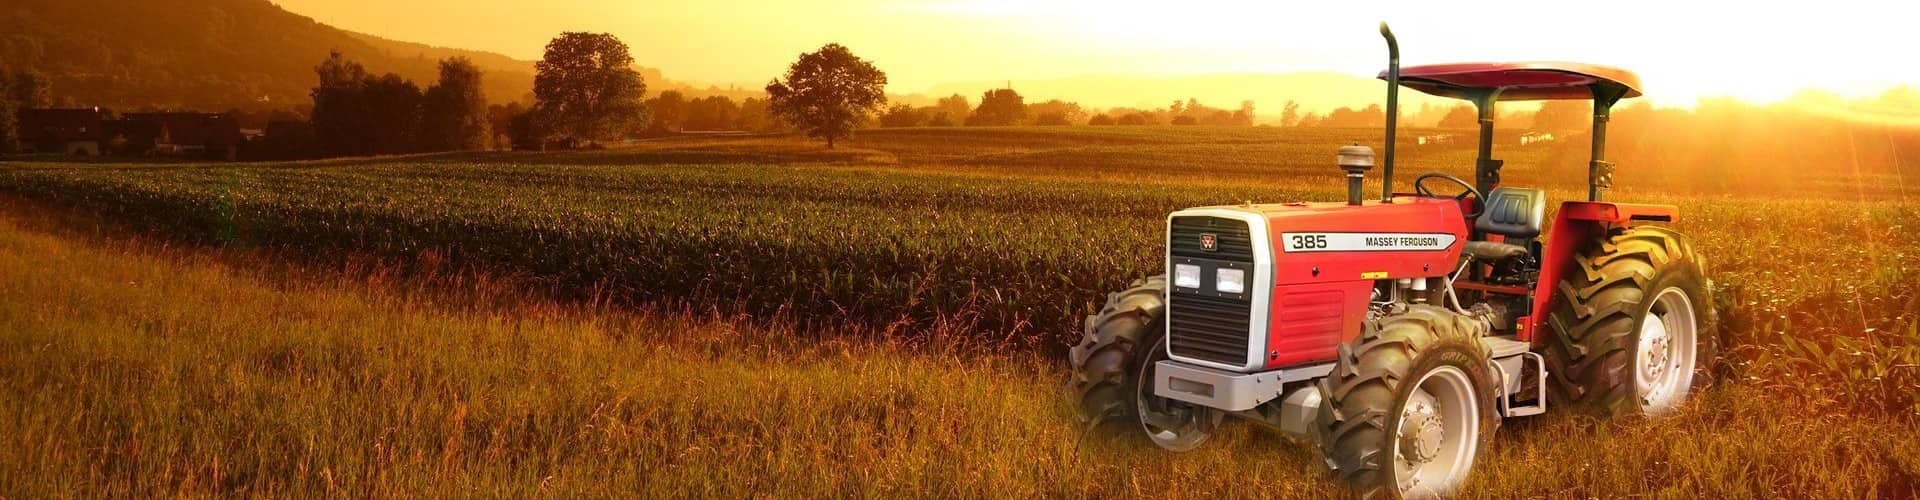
x: 1209, y: 326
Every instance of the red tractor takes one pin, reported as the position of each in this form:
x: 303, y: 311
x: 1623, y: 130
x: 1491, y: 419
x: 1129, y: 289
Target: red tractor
x: 1397, y: 333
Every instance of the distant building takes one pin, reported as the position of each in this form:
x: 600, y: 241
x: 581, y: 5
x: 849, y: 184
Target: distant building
x: 212, y: 135
x: 68, y: 131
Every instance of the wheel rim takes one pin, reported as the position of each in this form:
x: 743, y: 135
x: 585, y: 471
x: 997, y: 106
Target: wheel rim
x: 1663, y: 363
x: 1172, y: 425
x: 1438, y: 430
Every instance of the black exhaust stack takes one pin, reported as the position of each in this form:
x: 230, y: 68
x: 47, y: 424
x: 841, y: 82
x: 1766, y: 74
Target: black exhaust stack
x: 1393, y: 110
x: 1356, y: 160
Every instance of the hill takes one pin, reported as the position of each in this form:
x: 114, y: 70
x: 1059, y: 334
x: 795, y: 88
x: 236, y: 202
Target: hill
x: 197, y: 54
x: 215, y: 54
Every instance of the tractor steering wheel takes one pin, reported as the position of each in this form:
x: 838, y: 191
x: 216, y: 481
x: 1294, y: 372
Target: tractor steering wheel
x: 1419, y: 186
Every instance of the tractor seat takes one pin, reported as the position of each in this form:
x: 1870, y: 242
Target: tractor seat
x: 1515, y: 213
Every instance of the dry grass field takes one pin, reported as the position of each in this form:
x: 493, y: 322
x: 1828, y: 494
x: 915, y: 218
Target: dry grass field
x: 758, y: 316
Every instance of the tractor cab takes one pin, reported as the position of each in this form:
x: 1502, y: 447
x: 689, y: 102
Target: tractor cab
x: 1506, y: 221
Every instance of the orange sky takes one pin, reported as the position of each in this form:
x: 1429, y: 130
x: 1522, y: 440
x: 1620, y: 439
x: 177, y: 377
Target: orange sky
x: 1683, y: 51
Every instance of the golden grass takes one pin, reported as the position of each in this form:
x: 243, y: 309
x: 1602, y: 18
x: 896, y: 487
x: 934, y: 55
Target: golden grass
x: 130, y: 368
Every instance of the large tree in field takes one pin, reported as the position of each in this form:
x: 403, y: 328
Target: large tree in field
x: 829, y: 92
x: 455, y: 117
x: 999, y: 107
x: 586, y: 88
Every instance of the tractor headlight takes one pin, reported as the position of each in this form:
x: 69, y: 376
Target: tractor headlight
x: 1230, y: 281
x: 1186, y: 276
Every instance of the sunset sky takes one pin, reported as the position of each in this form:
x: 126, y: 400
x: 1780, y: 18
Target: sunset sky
x: 1683, y: 51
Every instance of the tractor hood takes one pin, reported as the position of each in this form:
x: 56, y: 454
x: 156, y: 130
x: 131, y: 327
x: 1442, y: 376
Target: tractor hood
x: 1411, y: 237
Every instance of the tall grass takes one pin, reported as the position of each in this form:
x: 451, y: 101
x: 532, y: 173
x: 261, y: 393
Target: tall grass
x: 897, y: 307
x: 136, y: 368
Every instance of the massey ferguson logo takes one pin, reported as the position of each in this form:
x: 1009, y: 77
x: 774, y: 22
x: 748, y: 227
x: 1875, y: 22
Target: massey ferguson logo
x: 1209, y: 242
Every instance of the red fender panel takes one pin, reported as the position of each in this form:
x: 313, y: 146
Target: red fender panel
x: 1576, y: 223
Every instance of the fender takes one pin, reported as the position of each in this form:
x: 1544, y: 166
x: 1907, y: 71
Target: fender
x: 1574, y: 224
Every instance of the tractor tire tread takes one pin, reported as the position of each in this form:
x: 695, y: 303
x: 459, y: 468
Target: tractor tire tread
x: 1361, y: 390
x: 1097, y: 384
x: 1592, y: 319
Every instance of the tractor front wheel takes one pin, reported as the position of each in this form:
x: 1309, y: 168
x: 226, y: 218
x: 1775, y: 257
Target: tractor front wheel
x: 1632, y: 324
x: 1409, y: 404
x: 1112, y: 379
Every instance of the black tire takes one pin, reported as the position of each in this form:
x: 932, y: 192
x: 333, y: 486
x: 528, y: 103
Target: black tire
x: 1373, y: 380
x: 1599, y: 305
x: 1114, y: 357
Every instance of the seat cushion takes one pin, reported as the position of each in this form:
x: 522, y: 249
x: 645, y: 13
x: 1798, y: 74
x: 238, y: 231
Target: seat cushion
x: 1514, y: 212
x: 1493, y: 251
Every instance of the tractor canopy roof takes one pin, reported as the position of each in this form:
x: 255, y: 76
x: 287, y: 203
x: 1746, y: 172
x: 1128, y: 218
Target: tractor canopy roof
x: 1522, y: 81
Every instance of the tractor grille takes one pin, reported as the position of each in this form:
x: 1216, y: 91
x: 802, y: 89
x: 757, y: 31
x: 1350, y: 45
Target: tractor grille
x: 1203, y: 324
x: 1210, y: 328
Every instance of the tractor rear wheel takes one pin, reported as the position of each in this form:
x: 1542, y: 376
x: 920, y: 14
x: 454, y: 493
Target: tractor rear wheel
x: 1409, y: 404
x: 1631, y: 324
x: 1112, y: 379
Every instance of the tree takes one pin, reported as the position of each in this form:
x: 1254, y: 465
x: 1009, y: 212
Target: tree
x: 1460, y: 117
x: 1057, y: 112
x: 1290, y: 114
x: 829, y: 92
x: 528, y: 131
x: 394, y: 105
x: 21, y: 89
x: 711, y: 113
x: 28, y: 88
x: 1555, y: 116
x: 9, y: 129
x: 900, y: 115
x: 1100, y: 120
x: 355, y: 113
x: 455, y: 116
x: 1137, y: 118
x: 956, y: 108
x: 1371, y: 116
x: 586, y: 87
x: 668, y: 112
x: 500, y: 119
x: 754, y: 116
x: 339, y: 118
x: 999, y: 107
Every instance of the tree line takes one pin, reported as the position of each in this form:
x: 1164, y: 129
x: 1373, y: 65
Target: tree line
x: 358, y: 113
